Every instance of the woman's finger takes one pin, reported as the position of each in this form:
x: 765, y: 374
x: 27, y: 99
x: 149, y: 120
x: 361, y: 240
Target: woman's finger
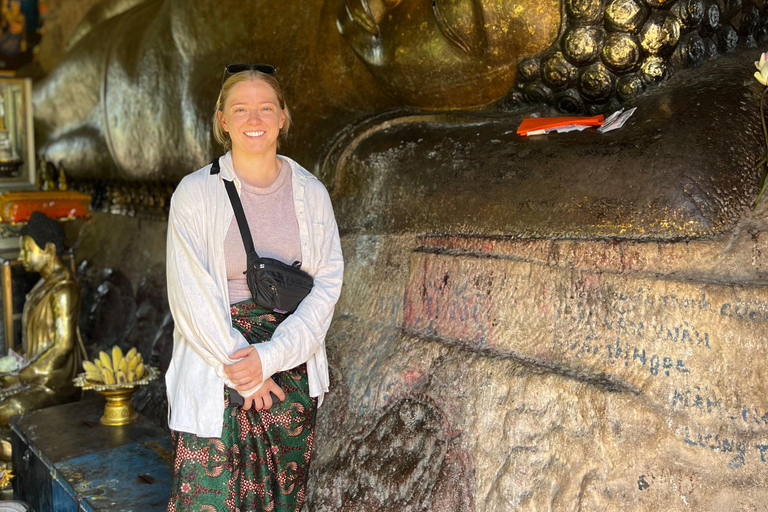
x: 238, y: 369
x: 242, y: 368
x: 236, y: 376
x: 231, y: 369
x: 245, y: 385
x: 245, y: 377
x: 240, y: 353
x: 274, y: 388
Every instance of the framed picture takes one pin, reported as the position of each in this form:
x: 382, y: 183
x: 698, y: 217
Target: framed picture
x: 17, y: 144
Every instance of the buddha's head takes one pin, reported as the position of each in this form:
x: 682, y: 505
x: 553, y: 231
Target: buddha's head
x: 41, y: 242
x: 447, y: 53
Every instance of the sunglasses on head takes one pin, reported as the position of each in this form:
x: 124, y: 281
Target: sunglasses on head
x: 233, y: 69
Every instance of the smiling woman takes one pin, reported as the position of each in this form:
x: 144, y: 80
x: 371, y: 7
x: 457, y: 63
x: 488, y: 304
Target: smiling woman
x: 260, y: 448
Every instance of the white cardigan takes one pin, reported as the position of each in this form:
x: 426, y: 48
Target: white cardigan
x: 203, y: 336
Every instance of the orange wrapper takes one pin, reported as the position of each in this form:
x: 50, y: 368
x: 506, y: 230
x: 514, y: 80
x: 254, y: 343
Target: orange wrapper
x: 542, y: 123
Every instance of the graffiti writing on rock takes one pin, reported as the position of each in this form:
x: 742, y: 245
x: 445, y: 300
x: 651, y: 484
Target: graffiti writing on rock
x: 705, y: 401
x: 644, y: 296
x: 748, y: 310
x: 623, y: 353
x: 740, y: 449
x: 617, y: 322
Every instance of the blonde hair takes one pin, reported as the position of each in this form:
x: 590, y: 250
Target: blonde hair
x: 221, y: 136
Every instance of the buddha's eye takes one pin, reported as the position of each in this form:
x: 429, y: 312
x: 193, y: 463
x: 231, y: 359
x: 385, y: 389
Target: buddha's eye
x: 460, y: 23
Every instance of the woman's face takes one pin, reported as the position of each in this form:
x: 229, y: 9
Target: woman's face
x: 252, y: 116
x: 447, y: 53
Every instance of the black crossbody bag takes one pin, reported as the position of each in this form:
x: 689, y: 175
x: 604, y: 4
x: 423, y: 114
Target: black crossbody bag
x: 274, y: 285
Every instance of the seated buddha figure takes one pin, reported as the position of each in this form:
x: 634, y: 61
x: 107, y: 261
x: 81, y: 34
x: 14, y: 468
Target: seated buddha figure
x: 53, y: 350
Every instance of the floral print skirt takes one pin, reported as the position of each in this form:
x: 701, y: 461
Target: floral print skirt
x: 261, y: 462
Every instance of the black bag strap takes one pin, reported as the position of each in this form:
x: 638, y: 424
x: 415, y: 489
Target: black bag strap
x: 215, y: 169
x: 242, y: 222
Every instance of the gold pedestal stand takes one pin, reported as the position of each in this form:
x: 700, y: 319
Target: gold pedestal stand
x: 119, y: 408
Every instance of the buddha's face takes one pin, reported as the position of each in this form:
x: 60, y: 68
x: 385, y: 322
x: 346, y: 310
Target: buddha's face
x: 447, y: 53
x: 32, y: 257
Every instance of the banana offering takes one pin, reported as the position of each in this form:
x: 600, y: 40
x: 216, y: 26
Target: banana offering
x: 118, y: 369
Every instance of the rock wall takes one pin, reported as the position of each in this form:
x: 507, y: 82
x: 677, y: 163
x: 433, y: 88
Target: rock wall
x: 548, y: 375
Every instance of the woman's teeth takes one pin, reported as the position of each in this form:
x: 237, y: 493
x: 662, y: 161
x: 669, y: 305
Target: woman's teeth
x: 255, y: 134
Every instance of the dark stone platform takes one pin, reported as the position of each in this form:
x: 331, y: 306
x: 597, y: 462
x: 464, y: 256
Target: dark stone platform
x: 66, y: 461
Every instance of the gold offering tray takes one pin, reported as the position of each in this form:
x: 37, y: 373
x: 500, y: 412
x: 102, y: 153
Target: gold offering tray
x: 119, y: 407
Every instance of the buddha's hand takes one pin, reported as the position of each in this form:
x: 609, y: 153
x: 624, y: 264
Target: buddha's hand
x: 246, y: 373
x: 262, y: 398
x: 9, y: 379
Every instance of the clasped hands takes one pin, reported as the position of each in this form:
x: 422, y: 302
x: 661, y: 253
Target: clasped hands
x: 247, y: 373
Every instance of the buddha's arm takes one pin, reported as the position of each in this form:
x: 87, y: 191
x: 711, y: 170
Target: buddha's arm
x: 64, y: 300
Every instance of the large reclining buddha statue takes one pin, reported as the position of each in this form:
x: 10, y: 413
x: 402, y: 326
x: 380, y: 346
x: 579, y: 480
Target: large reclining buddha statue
x: 135, y: 93
x: 132, y: 100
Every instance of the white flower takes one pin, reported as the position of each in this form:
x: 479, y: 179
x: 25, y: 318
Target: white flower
x: 762, y: 69
x: 763, y: 59
x: 762, y: 75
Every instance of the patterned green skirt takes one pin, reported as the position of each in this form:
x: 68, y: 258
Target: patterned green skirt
x: 261, y: 462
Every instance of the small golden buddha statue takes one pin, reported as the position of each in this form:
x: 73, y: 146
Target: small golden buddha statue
x: 53, y: 350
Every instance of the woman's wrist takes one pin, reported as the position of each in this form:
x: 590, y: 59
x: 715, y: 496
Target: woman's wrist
x: 269, y: 356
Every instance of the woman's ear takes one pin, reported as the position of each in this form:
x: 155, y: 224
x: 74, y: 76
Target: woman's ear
x: 222, y: 120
